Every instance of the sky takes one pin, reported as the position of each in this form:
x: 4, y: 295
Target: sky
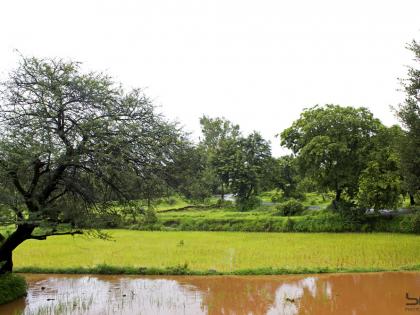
x: 256, y: 63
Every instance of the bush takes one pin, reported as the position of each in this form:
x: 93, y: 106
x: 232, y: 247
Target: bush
x: 12, y: 287
x: 150, y: 216
x: 276, y: 197
x: 289, y: 225
x: 416, y: 222
x: 224, y: 203
x: 290, y: 207
x: 248, y: 204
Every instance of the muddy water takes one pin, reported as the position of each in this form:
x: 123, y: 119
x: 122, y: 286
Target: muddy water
x: 353, y: 294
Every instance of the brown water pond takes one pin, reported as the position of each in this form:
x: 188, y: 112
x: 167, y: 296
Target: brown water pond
x: 353, y: 294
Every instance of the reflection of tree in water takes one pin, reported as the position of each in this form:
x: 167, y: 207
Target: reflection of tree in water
x: 359, y: 294
x: 237, y: 295
x: 346, y: 294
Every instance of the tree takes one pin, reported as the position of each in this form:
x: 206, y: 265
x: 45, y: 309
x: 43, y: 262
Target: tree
x: 190, y: 174
x: 332, y: 145
x: 70, y: 142
x: 287, y: 175
x: 409, y: 115
x: 380, y: 181
x: 238, y: 162
x: 219, y: 140
x: 251, y: 156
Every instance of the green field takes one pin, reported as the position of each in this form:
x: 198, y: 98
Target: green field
x: 224, y: 251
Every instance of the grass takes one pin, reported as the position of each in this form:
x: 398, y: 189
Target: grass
x: 12, y: 287
x: 267, y: 219
x: 221, y: 252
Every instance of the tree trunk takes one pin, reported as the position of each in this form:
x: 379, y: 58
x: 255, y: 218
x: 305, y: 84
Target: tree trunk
x: 412, y: 202
x: 338, y: 195
x: 337, y: 198
x: 223, y: 192
x: 22, y: 233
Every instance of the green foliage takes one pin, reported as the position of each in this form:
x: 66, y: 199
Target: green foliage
x: 379, y: 188
x: 348, y: 219
x: 277, y: 197
x: 251, y: 157
x: 12, y: 287
x: 238, y: 162
x: 247, y: 203
x: 289, y: 225
x: 171, y: 201
x: 291, y: 207
x: 150, y: 216
x: 287, y: 176
x: 380, y: 181
x: 184, y: 270
x: 332, y: 144
x: 409, y: 115
x: 414, y: 222
x: 72, y: 142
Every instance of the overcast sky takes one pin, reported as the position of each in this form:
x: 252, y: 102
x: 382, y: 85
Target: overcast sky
x: 257, y: 63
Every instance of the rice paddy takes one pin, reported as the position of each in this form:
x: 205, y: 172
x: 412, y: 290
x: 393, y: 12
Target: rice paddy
x: 224, y: 251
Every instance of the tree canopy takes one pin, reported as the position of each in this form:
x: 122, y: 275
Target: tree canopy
x: 409, y: 115
x: 70, y: 142
x: 332, y: 144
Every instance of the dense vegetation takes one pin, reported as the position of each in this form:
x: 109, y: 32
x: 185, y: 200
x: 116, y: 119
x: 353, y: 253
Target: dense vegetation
x: 78, y: 153
x: 12, y: 286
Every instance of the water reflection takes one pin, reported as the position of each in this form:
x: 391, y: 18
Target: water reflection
x: 353, y: 294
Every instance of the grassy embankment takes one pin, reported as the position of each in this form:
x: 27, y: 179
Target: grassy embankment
x: 266, y: 218
x: 140, y: 252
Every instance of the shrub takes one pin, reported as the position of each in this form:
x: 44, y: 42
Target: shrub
x: 289, y: 225
x: 276, y: 197
x: 224, y: 203
x: 290, y: 207
x: 150, y: 216
x: 416, y: 222
x: 12, y: 287
x: 248, y: 204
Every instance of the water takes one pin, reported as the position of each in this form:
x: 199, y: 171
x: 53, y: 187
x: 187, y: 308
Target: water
x: 352, y: 294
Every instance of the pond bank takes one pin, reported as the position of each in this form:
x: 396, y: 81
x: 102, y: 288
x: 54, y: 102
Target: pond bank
x: 184, y: 270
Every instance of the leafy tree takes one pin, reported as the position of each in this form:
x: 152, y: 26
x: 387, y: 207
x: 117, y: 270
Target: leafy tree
x: 190, y: 174
x: 409, y: 115
x: 332, y: 144
x: 70, y: 143
x: 380, y: 181
x: 238, y: 162
x: 251, y: 156
x: 219, y: 142
x: 287, y: 176
x: 217, y: 130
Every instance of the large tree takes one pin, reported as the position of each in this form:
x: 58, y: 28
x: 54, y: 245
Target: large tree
x: 251, y: 156
x: 409, y: 115
x: 69, y: 143
x: 219, y: 139
x: 332, y: 144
